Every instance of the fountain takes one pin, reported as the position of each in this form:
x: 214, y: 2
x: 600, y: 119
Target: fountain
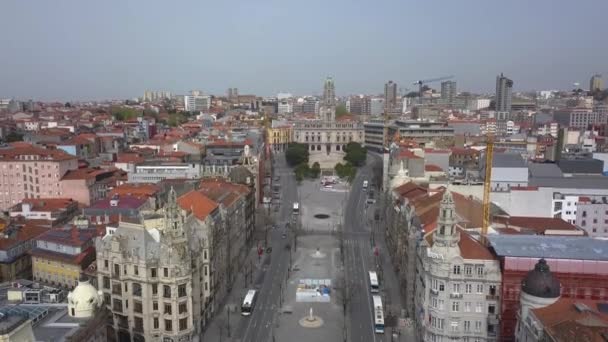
x: 311, y: 321
x: 317, y: 254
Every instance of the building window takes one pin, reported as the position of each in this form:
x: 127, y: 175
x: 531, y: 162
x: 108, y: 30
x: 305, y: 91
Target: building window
x: 467, y: 306
x: 478, y: 307
x: 455, y: 306
x: 106, y: 282
x: 166, y: 291
x: 468, y: 288
x: 135, y: 270
x: 136, y: 289
x: 155, y: 324
x: 183, y: 324
x: 468, y: 270
x: 166, y: 272
x: 477, y: 326
x: 154, y: 306
x: 455, y: 288
x: 183, y: 308
x: 105, y: 264
x: 181, y: 290
x: 154, y: 289
x: 168, y: 325
x: 137, y: 306
x: 583, y: 223
x: 467, y: 326
x: 441, y: 287
x: 480, y: 271
x: 117, y: 305
x: 153, y: 272
x: 456, y: 269
x: 454, y: 326
x: 117, y: 270
x: 167, y: 309
x: 479, y: 288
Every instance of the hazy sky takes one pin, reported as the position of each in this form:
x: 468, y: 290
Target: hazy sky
x: 75, y: 49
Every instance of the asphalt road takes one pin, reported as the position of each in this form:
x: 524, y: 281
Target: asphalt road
x: 359, y: 259
x: 259, y: 326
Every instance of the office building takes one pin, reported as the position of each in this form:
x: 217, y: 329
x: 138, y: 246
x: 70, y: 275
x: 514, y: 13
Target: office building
x: 376, y: 106
x: 448, y: 92
x: 197, y: 102
x: 359, y: 105
x: 579, y: 118
x: 504, y: 88
x: 596, y: 83
x: 390, y: 96
x: 457, y: 290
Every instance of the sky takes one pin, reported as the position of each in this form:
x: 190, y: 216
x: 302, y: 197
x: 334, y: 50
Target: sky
x: 116, y: 49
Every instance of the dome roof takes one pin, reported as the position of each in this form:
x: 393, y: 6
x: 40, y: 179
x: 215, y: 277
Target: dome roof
x: 540, y: 282
x: 83, y: 299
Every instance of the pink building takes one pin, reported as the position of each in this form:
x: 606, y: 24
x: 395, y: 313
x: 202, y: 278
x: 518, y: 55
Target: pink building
x: 27, y: 171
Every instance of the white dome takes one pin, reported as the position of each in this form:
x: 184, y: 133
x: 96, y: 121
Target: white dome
x: 83, y: 300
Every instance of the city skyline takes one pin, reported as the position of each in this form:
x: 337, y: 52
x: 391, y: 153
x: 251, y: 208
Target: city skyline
x: 73, y: 51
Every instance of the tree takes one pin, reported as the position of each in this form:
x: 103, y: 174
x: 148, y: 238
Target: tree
x: 346, y: 171
x: 355, y: 154
x: 341, y: 110
x: 315, y: 170
x: 123, y: 113
x: 302, y: 171
x: 296, y: 154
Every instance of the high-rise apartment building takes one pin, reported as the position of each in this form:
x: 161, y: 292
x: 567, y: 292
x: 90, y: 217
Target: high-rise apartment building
x: 596, y: 83
x: 457, y: 290
x: 197, y: 102
x: 27, y: 171
x: 504, y: 88
x: 390, y: 96
x: 448, y: 92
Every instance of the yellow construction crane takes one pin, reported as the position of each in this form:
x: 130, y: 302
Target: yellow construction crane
x: 487, y: 187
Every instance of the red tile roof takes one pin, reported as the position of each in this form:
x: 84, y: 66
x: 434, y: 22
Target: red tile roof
x: 432, y: 168
x: 124, y: 202
x: 135, y: 190
x: 563, y: 320
x: 538, y: 224
x: 69, y: 237
x: 23, y: 233
x: 197, y: 203
x: 45, y: 204
x: 23, y: 149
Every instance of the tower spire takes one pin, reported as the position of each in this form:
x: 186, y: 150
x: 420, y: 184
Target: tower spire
x: 446, y: 233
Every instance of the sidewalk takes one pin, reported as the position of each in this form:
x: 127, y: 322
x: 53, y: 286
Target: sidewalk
x: 217, y: 329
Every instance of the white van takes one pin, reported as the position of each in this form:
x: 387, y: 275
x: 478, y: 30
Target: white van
x: 365, y: 184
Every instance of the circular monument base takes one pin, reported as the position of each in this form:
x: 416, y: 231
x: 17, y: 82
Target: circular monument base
x: 314, y: 322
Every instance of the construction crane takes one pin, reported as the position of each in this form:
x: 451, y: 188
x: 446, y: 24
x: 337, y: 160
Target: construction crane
x: 421, y: 83
x: 487, y: 187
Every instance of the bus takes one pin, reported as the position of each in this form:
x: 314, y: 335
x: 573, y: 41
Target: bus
x: 296, y: 208
x: 249, y: 302
x: 378, y: 315
x: 373, y: 282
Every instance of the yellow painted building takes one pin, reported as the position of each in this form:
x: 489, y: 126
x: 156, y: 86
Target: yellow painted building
x: 279, y: 135
x: 60, y: 255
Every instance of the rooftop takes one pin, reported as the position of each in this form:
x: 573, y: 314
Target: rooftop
x: 553, y: 247
x: 575, y: 317
x: 72, y: 237
x: 196, y: 202
x: 122, y: 202
x: 44, y: 204
x: 16, y: 151
x: 508, y: 160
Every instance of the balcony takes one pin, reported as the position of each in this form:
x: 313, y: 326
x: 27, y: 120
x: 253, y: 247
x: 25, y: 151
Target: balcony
x: 456, y: 295
x: 493, y: 319
x: 434, y: 292
x: 492, y: 297
x: 122, y: 321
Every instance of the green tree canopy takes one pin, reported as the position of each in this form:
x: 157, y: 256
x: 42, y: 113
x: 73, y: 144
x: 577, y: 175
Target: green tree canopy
x: 355, y: 154
x: 346, y: 171
x: 341, y: 110
x: 315, y: 170
x: 296, y: 154
x: 124, y: 113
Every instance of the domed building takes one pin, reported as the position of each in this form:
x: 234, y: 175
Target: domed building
x: 84, y: 299
x: 540, y: 288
